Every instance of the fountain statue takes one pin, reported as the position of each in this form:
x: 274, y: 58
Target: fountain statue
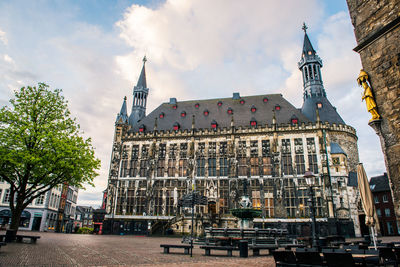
x: 246, y: 213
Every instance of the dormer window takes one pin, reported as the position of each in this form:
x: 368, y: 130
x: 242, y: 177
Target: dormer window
x: 176, y: 126
x: 277, y: 107
x: 183, y: 114
x: 197, y: 105
x: 253, y: 123
x: 230, y: 111
x: 219, y: 103
x: 242, y: 101
x: 162, y: 115
x: 214, y: 124
x: 174, y: 106
x: 265, y: 100
x: 206, y: 112
x: 294, y: 120
x: 319, y: 105
x: 142, y: 128
x: 253, y: 109
x: 309, y: 53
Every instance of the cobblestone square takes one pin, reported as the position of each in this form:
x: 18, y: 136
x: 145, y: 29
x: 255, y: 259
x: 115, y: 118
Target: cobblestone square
x: 57, y: 249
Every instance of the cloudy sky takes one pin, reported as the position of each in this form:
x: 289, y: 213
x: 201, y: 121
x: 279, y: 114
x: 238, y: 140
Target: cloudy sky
x: 196, y: 49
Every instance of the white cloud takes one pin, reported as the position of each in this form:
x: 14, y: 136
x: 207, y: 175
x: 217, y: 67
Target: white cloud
x: 3, y: 37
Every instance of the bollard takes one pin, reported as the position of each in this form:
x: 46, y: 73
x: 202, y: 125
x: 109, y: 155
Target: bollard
x: 244, y: 248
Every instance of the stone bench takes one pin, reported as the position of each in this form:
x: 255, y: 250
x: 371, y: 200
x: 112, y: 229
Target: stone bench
x: 166, y: 247
x: 33, y: 238
x: 228, y: 249
x: 256, y: 248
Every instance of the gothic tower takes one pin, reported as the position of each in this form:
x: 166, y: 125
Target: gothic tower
x: 314, y: 95
x: 140, y: 92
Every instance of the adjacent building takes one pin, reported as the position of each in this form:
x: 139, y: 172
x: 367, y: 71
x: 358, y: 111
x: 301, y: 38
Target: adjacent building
x: 215, y: 146
x: 66, y: 209
x: 83, y: 217
x: 389, y: 225
x: 377, y: 30
x: 40, y: 215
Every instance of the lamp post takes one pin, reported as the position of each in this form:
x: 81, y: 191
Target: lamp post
x: 310, y: 180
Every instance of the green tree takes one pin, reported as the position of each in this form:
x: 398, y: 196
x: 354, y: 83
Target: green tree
x: 41, y: 147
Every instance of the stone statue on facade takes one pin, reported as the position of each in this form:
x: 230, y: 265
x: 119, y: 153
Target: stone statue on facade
x: 368, y: 96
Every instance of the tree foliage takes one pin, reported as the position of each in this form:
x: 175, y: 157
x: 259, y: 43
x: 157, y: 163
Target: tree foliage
x: 41, y: 146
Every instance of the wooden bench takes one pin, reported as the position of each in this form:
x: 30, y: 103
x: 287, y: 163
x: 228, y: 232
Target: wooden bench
x: 33, y: 238
x: 166, y: 247
x: 256, y: 249
x: 228, y: 249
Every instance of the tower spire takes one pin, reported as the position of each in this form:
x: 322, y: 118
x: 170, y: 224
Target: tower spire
x: 314, y: 94
x: 140, y: 93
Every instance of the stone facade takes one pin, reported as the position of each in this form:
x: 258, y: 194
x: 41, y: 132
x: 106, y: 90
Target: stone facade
x: 377, y: 30
x: 229, y: 147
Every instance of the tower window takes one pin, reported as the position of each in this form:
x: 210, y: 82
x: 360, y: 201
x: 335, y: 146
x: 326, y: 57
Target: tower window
x: 176, y: 126
x: 265, y: 100
x: 230, y: 111
x: 162, y: 115
x: 253, y: 123
x: 197, y: 105
x: 319, y: 105
x: 183, y: 114
x: 241, y: 101
x: 219, y: 103
x: 206, y: 112
x: 175, y: 106
x: 294, y: 120
x: 310, y: 53
x: 277, y: 107
x: 253, y: 109
x: 142, y: 128
x: 214, y: 124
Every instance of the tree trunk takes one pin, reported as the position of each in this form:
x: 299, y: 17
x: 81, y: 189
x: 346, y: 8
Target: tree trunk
x: 15, y: 219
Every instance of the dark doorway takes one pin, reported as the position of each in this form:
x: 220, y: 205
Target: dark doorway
x: 364, y: 229
x: 36, y: 223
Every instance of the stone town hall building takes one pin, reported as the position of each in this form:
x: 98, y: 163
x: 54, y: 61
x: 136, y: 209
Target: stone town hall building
x: 215, y: 145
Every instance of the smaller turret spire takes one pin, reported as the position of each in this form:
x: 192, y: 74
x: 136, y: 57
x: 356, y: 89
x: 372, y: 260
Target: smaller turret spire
x: 122, y: 116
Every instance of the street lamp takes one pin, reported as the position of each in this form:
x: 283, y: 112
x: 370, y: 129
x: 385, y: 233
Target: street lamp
x: 310, y: 180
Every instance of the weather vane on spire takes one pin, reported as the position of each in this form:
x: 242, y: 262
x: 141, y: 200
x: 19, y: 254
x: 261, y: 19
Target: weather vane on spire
x: 304, y: 28
x: 144, y: 59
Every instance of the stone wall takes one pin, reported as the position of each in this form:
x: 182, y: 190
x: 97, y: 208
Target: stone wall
x: 377, y: 30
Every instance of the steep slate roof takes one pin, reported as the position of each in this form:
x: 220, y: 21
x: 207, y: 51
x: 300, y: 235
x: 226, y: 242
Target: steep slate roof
x: 379, y: 183
x: 327, y: 113
x: 336, y: 149
x: 241, y: 113
x: 142, y: 78
x: 307, y: 46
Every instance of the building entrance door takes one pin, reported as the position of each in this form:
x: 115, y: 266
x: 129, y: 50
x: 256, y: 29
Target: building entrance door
x: 36, y: 223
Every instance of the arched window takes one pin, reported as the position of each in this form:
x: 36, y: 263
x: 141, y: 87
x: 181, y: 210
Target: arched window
x: 219, y: 103
x: 306, y: 72
x: 310, y: 73
x: 253, y: 122
x: 230, y: 111
x: 183, y: 114
x: 242, y: 101
x: 253, y: 109
x: 206, y: 112
x: 162, y: 115
x: 197, y: 105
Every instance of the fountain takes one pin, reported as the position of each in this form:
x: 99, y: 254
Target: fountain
x: 246, y: 213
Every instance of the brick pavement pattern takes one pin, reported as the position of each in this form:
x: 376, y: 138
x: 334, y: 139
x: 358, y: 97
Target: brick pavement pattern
x: 56, y: 249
